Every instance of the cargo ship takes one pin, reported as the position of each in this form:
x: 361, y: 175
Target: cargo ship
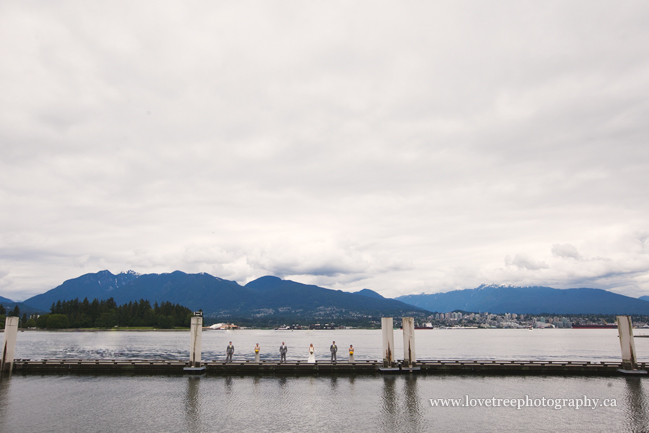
x: 604, y: 326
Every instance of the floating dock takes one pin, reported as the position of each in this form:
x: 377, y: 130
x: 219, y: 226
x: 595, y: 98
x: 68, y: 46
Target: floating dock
x: 216, y: 367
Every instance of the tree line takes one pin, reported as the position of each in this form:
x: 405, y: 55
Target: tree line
x: 107, y: 314
x: 6, y: 313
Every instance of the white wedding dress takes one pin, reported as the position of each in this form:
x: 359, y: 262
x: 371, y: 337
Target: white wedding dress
x: 311, y: 359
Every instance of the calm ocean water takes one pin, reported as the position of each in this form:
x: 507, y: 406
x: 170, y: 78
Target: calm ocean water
x: 541, y: 344
x: 87, y: 403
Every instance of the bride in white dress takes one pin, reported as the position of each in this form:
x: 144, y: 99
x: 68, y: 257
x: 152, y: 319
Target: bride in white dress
x: 311, y: 359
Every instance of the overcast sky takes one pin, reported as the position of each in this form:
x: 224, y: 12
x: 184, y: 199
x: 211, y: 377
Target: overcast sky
x: 404, y: 147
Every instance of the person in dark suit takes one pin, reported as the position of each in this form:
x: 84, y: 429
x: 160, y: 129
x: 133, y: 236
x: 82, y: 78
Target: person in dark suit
x: 229, y: 351
x: 282, y: 352
x: 333, y: 349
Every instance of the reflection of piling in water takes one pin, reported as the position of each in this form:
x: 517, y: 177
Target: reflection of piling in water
x: 637, y: 404
x: 400, y: 405
x: 387, y: 331
x: 389, y: 406
x: 412, y: 404
x: 192, y: 404
x: 9, y: 345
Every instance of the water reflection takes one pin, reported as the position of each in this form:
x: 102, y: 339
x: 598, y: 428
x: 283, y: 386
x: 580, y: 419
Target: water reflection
x: 401, y: 409
x: 637, y: 405
x: 324, y: 403
x: 412, y: 404
x: 193, y: 405
x: 389, y: 404
x: 4, y: 402
x: 334, y: 383
x: 228, y: 386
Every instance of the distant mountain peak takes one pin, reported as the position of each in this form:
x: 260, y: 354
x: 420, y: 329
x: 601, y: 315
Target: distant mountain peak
x: 502, y: 286
x: 489, y: 286
x: 266, y: 282
x: 7, y: 300
x: 369, y: 293
x: 269, y: 278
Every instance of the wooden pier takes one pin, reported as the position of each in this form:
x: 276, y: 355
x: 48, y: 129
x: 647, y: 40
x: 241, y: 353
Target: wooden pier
x: 217, y: 367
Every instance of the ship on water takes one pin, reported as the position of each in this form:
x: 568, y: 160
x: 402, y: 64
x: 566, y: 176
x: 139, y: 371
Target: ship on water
x: 595, y: 326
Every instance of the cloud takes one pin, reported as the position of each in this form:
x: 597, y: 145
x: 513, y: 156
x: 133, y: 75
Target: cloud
x: 523, y: 261
x: 400, y: 148
x: 643, y: 238
x: 566, y: 251
x: 321, y: 259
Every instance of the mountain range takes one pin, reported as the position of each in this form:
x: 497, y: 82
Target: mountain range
x: 273, y: 297
x: 529, y: 300
x: 266, y: 296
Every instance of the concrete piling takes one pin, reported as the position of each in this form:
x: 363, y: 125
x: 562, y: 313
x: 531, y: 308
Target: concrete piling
x: 9, y: 345
x: 408, y: 325
x: 195, y: 343
x: 387, y: 331
x: 625, y: 330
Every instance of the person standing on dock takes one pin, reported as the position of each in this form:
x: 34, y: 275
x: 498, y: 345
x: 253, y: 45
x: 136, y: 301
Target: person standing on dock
x: 282, y: 353
x: 311, y: 359
x: 333, y: 350
x: 351, y: 353
x: 229, y: 351
x: 257, y: 349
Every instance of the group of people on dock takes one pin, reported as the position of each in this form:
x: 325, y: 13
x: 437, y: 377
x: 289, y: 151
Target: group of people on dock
x: 283, y: 350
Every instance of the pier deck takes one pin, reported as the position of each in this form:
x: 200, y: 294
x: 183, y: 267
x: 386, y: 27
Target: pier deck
x: 217, y: 367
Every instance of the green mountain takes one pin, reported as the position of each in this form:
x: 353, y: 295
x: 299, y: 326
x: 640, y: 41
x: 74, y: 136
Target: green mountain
x: 529, y: 300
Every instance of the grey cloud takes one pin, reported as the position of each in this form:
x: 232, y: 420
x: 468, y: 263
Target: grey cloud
x: 523, y: 261
x: 566, y: 251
